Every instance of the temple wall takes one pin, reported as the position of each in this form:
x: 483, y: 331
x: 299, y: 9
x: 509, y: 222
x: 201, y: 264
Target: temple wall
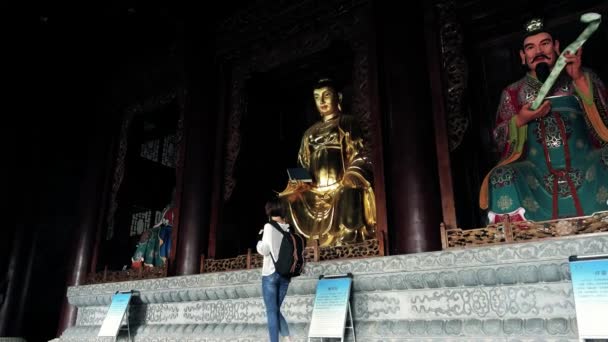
x: 510, y: 292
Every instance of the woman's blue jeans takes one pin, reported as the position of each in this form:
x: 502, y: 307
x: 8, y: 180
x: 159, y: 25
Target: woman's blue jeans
x: 274, y: 289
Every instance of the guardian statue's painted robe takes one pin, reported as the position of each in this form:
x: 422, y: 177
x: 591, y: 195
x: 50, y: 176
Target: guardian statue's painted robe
x: 555, y: 166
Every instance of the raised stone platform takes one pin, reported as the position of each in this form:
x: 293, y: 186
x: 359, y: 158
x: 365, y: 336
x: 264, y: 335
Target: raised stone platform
x: 510, y: 292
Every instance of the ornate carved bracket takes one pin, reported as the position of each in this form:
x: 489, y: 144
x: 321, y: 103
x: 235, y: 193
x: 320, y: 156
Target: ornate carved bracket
x: 455, y: 70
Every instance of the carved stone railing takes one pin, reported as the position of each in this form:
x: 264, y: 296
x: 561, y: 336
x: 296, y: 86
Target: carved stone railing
x: 251, y: 260
x: 107, y: 276
x: 365, y: 249
x: 507, y: 232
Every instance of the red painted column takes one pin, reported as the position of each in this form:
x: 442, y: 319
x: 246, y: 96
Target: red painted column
x: 411, y: 179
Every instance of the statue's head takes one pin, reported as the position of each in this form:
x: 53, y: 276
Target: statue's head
x: 327, y: 97
x: 538, y: 46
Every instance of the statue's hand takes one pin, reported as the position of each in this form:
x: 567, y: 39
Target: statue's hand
x: 294, y: 187
x: 144, y: 236
x: 574, y: 65
x: 354, y: 180
x: 526, y: 114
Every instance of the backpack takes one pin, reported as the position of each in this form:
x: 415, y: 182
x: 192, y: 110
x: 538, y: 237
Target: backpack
x: 291, y: 253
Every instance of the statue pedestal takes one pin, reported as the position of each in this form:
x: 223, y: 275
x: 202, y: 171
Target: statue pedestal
x: 508, y: 232
x: 510, y: 292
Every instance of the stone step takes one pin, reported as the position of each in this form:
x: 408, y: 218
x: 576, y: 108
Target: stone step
x: 511, y: 292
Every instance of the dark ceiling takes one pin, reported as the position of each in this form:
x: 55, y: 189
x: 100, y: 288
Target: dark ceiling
x: 489, y: 19
x: 483, y: 18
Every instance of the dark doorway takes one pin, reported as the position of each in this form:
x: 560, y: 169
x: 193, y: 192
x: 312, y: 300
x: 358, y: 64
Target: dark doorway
x: 280, y: 108
x: 147, y: 185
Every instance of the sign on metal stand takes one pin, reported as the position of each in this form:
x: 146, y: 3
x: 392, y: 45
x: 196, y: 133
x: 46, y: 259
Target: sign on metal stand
x: 331, y: 308
x: 589, y: 276
x: 116, y: 314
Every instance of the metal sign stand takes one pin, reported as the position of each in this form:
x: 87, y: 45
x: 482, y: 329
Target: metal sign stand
x: 349, y: 314
x: 117, y: 313
x: 589, y: 274
x: 128, y: 328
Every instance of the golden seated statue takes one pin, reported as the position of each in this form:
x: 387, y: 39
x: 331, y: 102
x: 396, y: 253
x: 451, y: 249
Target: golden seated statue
x: 338, y: 207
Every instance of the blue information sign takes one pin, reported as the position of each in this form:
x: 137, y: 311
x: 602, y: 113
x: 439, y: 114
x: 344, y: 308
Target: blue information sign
x: 330, y: 307
x: 590, y: 287
x: 116, y: 312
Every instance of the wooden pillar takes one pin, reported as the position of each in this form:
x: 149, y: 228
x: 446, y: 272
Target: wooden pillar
x: 90, y: 202
x: 413, y: 198
x: 199, y: 124
x: 14, y: 287
x: 191, y: 221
